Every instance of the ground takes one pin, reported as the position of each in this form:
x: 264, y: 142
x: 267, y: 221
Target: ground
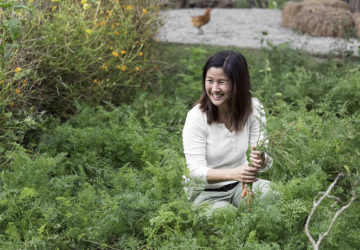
x: 246, y: 28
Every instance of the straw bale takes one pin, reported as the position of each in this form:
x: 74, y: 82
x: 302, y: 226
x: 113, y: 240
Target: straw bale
x: 289, y: 12
x: 327, y: 3
x: 356, y: 18
x: 324, y: 21
x: 291, y: 9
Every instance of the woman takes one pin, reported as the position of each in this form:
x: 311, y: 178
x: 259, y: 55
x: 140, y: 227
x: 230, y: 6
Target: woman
x: 219, y: 129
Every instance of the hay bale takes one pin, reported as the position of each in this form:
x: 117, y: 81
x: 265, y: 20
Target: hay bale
x: 324, y: 21
x: 320, y: 18
x: 356, y: 18
x: 327, y: 3
x: 289, y: 12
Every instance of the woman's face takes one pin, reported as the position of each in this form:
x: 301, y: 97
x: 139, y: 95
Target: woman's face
x: 218, y: 87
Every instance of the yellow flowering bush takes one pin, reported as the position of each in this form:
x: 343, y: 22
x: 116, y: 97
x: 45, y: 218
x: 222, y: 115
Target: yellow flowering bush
x: 107, y: 41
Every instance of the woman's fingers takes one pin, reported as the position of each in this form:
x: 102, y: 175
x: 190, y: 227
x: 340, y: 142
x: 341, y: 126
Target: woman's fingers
x: 245, y: 174
x: 257, y: 158
x: 249, y: 174
x: 256, y: 154
x: 257, y: 163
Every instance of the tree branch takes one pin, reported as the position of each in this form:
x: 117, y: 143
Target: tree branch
x: 317, y: 203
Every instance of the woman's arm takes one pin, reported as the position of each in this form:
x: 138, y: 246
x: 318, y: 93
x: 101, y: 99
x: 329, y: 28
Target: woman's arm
x: 194, y: 142
x: 243, y: 174
x: 257, y: 138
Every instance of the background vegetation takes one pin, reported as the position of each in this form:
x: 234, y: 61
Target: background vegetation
x: 99, y: 164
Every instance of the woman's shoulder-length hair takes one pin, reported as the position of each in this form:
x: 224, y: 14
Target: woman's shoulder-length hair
x: 235, y: 67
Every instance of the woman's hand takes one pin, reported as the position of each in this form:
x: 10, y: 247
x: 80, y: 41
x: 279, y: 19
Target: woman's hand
x: 245, y: 174
x: 257, y: 158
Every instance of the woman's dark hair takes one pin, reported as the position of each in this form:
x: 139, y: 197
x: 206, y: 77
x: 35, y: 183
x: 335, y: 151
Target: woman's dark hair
x: 235, y: 67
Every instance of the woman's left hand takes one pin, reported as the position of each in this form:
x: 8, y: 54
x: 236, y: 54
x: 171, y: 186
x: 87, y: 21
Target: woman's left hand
x: 257, y: 158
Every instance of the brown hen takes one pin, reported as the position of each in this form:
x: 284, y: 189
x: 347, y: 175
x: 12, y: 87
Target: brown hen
x: 199, y: 21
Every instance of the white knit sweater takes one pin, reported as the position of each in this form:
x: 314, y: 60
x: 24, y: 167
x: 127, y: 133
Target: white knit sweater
x: 214, y: 146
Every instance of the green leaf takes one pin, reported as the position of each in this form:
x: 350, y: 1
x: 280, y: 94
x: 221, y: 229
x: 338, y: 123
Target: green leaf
x: 28, y: 192
x: 13, y: 27
x: 41, y: 229
x: 347, y: 169
x: 21, y: 6
x: 5, y: 5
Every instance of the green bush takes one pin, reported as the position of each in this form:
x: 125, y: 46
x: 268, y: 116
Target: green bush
x: 110, y: 176
x: 49, y: 60
x: 102, y: 54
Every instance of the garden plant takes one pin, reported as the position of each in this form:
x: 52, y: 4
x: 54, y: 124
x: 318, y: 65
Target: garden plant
x: 92, y: 111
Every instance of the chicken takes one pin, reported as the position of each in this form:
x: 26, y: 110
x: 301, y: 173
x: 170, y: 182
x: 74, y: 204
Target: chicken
x: 199, y: 21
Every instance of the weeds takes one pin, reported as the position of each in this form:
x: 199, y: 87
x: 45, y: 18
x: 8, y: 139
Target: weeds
x: 109, y: 177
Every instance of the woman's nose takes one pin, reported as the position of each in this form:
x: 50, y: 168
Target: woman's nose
x: 215, y: 86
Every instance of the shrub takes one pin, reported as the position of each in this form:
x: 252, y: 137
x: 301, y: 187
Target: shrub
x: 102, y: 54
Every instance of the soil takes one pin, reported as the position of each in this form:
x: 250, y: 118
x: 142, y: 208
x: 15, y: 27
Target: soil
x: 247, y: 28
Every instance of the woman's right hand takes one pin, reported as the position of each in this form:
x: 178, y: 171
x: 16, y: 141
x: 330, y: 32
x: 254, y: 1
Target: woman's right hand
x: 245, y: 174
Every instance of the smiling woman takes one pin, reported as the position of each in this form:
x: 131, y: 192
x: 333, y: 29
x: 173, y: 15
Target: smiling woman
x: 218, y: 88
x: 219, y: 129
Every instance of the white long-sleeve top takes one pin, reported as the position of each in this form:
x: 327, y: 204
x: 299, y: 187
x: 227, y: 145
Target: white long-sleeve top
x: 214, y: 146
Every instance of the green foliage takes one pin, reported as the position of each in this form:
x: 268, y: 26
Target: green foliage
x: 103, y: 54
x: 110, y: 176
x: 272, y: 4
x: 94, y: 179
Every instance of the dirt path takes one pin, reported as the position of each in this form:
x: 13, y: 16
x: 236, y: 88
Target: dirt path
x: 246, y: 28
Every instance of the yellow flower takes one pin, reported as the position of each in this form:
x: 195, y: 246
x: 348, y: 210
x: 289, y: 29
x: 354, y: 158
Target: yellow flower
x: 95, y: 81
x: 86, y: 6
x: 129, y: 7
x: 102, y: 23
x: 109, y: 13
x: 83, y: 1
x: 17, y: 91
x: 123, y: 52
x: 31, y: 1
x: 115, y: 53
x: 137, y: 68
x: 111, y: 48
x: 53, y: 8
x: 116, y: 33
x: 145, y: 11
x: 17, y: 70
x: 24, y: 83
x: 117, y: 24
x: 122, y: 67
x: 2, y: 81
x: 113, y: 26
x: 88, y: 31
x: 141, y: 53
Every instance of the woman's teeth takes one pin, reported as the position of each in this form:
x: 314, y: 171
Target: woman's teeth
x: 217, y: 96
